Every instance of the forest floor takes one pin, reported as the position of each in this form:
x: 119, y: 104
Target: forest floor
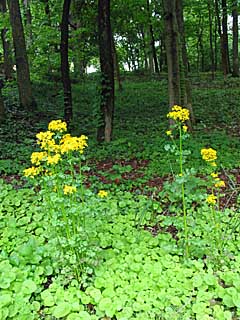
x: 139, y: 229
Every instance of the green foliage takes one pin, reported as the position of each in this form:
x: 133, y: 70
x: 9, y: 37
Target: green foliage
x: 129, y: 243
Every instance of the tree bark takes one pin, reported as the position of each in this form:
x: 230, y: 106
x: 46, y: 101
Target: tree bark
x: 210, y: 18
x: 2, y: 106
x: 28, y: 19
x: 146, y: 65
x: 7, y: 61
x: 186, y: 90
x: 224, y: 44
x: 66, y: 81
x: 172, y: 51
x: 23, y: 74
x: 235, y: 72
x: 107, y: 71
x: 152, y: 40
x: 225, y: 34
x: 116, y: 64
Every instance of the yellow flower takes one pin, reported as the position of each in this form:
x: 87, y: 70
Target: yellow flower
x: 185, y: 128
x: 37, y: 157
x: 69, y: 189
x: 45, y: 140
x: 211, y: 199
x: 178, y: 114
x: 31, y: 172
x: 214, y: 175
x: 102, y: 193
x: 53, y: 159
x: 57, y: 125
x: 213, y: 164
x: 69, y: 143
x: 168, y: 132
x: 220, y: 184
x: 209, y: 154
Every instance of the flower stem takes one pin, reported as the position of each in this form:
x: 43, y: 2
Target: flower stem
x: 186, y: 253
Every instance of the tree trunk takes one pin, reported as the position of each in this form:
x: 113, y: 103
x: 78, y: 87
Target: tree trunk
x: 235, y: 72
x: 116, y: 64
x: 224, y: 55
x: 107, y: 71
x: 152, y: 40
x: 146, y: 65
x: 67, y: 90
x: 2, y: 106
x: 28, y: 19
x: 215, y: 44
x: 7, y: 61
x: 225, y: 34
x: 23, y: 74
x: 186, y: 90
x: 210, y: 17
x: 172, y: 51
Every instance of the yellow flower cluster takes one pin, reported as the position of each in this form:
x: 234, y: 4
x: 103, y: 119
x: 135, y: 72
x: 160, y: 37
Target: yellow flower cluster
x: 37, y: 157
x: 69, y: 143
x: 169, y: 132
x: 57, y: 125
x: 53, y: 147
x: 218, y: 183
x: 46, y: 141
x: 102, y: 193
x: 209, y: 155
x: 53, y: 159
x: 69, y: 189
x: 185, y: 128
x: 32, y: 172
x: 178, y: 114
x: 211, y: 199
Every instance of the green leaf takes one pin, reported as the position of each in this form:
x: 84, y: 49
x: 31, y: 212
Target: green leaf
x: 62, y: 310
x: 28, y: 287
x: 5, y: 299
x: 48, y: 299
x: 82, y: 315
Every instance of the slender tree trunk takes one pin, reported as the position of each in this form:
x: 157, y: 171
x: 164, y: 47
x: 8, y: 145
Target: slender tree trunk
x: 235, y: 72
x: 2, y: 106
x: 28, y: 19
x: 7, y: 61
x: 222, y: 41
x: 107, y: 71
x: 146, y: 65
x: 162, y: 54
x: 225, y: 34
x: 116, y: 64
x: 186, y: 90
x: 23, y: 74
x: 201, y: 46
x: 67, y: 90
x: 210, y: 17
x: 152, y: 40
x: 172, y: 51
x: 215, y: 45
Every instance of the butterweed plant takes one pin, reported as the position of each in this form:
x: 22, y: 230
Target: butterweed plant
x: 180, y: 115
x: 209, y: 155
x: 54, y: 168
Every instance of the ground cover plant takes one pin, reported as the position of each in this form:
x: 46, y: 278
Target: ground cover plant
x: 143, y: 228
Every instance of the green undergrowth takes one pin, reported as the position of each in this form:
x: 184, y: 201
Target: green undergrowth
x: 132, y: 263
x: 139, y: 125
x: 131, y: 273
